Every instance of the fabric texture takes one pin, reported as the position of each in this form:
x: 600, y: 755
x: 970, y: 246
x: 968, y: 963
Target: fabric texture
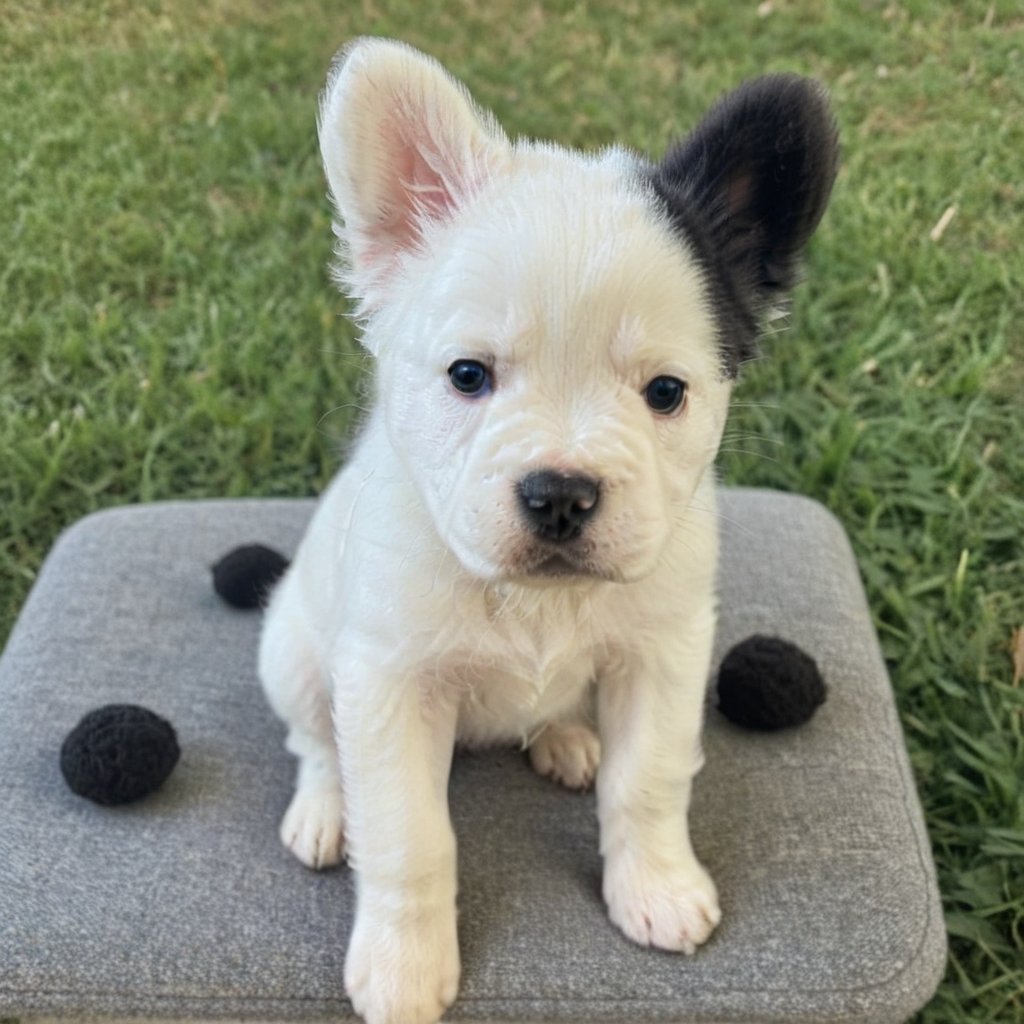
x: 185, y: 905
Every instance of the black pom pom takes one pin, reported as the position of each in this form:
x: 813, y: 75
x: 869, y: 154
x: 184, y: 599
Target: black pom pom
x: 244, y: 576
x: 118, y: 753
x: 767, y: 683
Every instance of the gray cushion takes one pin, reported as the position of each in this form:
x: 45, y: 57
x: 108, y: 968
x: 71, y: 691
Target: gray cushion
x: 186, y: 905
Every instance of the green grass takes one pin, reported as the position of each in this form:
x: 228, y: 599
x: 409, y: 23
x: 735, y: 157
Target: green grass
x: 168, y: 329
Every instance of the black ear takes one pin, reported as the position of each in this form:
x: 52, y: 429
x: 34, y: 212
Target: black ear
x: 748, y: 188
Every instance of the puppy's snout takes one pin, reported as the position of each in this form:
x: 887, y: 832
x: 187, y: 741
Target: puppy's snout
x: 556, y: 506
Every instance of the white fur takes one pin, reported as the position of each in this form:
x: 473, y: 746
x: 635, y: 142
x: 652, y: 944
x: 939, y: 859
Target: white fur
x: 414, y: 616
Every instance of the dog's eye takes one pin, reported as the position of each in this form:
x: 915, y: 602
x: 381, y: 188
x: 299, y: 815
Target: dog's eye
x: 470, y: 378
x: 665, y: 394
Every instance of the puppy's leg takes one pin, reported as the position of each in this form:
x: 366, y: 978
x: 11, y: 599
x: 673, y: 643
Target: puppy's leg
x: 567, y: 751
x: 313, y: 827
x: 396, y: 735
x: 650, y: 714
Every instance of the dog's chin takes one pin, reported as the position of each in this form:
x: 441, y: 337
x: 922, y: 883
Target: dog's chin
x: 557, y: 570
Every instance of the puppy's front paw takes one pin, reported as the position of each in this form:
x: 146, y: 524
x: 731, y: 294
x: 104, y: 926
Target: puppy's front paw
x: 403, y: 973
x: 673, y: 908
x: 568, y: 752
x: 313, y: 827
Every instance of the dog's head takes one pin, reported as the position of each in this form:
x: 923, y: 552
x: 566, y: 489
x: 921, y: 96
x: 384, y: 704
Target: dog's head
x: 556, y: 334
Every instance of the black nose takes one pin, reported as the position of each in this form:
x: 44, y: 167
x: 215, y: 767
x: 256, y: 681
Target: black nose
x: 557, y: 506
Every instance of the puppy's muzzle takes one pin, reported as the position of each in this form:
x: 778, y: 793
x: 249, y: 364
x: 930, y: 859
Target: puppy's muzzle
x: 556, y: 506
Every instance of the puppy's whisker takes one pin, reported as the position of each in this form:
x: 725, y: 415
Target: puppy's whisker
x: 716, y: 514
x: 342, y: 354
x: 746, y: 451
x: 343, y: 407
x: 753, y: 437
x: 684, y: 530
x: 759, y: 357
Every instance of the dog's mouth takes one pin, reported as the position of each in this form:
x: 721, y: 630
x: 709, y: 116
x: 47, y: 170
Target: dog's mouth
x: 558, y: 565
x: 560, y: 568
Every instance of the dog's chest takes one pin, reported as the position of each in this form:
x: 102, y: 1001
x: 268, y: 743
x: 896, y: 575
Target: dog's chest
x: 520, y: 665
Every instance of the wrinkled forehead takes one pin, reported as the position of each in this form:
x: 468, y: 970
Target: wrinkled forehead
x: 548, y: 270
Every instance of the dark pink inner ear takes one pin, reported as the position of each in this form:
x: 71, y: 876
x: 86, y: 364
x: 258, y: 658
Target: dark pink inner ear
x: 420, y: 187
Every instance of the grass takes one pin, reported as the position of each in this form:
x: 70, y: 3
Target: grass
x: 169, y: 330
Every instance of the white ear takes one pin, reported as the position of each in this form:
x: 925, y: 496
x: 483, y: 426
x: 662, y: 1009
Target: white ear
x: 403, y: 145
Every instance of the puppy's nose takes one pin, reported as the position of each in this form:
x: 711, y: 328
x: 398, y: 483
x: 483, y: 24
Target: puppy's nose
x: 556, y: 505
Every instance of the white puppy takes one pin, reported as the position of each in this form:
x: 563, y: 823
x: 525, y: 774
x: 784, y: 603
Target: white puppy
x: 529, y: 514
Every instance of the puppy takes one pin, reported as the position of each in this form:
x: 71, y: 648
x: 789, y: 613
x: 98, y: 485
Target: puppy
x: 528, y: 518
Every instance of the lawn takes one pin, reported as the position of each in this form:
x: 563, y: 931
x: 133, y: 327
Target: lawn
x: 169, y: 330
